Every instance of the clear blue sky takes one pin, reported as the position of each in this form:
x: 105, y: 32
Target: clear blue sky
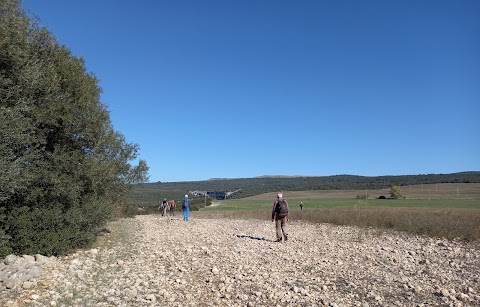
x: 243, y: 88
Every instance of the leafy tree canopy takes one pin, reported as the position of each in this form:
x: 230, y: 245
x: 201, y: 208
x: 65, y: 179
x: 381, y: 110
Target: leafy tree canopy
x: 64, y: 169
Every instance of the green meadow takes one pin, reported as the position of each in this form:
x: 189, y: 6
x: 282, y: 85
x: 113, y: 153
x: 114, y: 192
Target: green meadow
x: 312, y: 204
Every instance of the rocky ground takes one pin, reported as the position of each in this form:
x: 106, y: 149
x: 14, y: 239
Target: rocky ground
x: 155, y: 261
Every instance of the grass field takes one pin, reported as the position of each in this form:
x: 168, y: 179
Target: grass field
x: 452, y: 212
x: 448, y: 191
x: 311, y: 204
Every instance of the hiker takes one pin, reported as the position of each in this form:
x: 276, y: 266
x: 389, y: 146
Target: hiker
x: 164, y: 207
x: 172, y: 208
x: 186, y: 207
x: 280, y: 216
x: 301, y: 205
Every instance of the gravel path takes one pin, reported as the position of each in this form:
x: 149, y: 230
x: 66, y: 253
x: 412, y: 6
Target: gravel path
x: 155, y: 261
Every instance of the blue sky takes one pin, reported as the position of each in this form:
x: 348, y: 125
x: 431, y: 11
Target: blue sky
x: 229, y: 89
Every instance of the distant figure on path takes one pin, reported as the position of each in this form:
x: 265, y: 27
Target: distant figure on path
x: 163, y: 207
x: 280, y: 216
x: 186, y: 207
x: 301, y: 205
x: 172, y: 208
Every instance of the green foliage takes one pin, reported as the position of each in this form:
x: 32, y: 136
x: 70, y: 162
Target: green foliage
x: 130, y: 210
x: 199, y: 203
x: 5, y: 248
x: 54, y: 230
x: 64, y: 168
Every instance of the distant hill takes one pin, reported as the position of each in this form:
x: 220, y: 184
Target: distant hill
x: 244, y: 187
x: 281, y: 176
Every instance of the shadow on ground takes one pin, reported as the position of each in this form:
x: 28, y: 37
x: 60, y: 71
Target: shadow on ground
x: 253, y: 238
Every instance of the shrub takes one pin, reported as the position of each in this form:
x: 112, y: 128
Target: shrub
x: 363, y: 196
x: 5, y: 248
x: 54, y: 230
x: 395, y: 192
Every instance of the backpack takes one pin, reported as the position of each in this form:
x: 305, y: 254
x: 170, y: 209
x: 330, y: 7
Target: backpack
x: 282, y: 207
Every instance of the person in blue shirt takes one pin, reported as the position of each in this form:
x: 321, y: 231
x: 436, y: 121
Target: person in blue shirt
x: 186, y: 207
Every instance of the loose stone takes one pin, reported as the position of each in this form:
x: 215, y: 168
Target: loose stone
x: 154, y: 261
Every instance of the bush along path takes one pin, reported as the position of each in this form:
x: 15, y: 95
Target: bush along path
x: 155, y: 261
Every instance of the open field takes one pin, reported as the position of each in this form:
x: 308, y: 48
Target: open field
x: 420, y: 191
x: 437, y: 217
x: 311, y: 204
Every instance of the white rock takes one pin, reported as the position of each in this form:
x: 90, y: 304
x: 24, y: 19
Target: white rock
x: 151, y: 297
x: 75, y: 262
x: 27, y: 285
x: 80, y: 274
x: 131, y: 293
x: 40, y: 259
x: 10, y: 259
x: 29, y: 258
x: 13, y: 283
x: 463, y: 297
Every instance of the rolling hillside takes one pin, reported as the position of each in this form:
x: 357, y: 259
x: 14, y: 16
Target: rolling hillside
x: 420, y: 186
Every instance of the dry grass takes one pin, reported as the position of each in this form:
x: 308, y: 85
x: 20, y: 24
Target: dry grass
x: 445, y: 223
x: 453, y: 212
x: 442, y: 191
x: 425, y: 191
x: 456, y: 223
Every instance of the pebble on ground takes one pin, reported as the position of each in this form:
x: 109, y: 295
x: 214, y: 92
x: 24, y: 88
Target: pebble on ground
x: 155, y: 261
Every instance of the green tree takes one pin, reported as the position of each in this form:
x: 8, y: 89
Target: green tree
x: 64, y: 169
x: 395, y: 192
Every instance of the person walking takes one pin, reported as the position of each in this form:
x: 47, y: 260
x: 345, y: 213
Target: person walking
x: 280, y: 216
x: 186, y: 207
x: 172, y: 208
x: 164, y: 207
x: 301, y: 205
